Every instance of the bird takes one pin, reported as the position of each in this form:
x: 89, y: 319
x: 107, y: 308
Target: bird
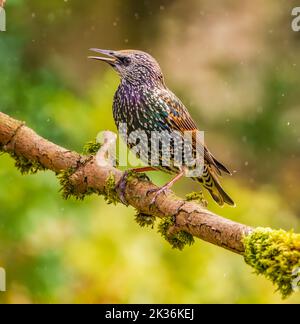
x: 144, y: 102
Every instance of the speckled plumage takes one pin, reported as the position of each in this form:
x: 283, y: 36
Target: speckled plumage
x: 143, y: 102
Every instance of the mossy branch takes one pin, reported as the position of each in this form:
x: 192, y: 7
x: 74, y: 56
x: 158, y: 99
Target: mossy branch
x: 275, y: 254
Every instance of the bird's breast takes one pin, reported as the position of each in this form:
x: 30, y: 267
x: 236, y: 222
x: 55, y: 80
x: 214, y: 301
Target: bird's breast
x: 135, y: 108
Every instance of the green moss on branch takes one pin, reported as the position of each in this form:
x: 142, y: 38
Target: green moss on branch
x: 145, y: 220
x: 24, y: 165
x: 110, y: 193
x: 178, y: 240
x: 91, y: 148
x: 68, y: 190
x: 276, y: 255
x: 197, y: 197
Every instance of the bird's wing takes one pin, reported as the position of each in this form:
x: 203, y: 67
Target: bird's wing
x: 178, y: 118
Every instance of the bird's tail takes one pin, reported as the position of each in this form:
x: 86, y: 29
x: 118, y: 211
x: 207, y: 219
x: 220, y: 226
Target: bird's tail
x: 211, y: 183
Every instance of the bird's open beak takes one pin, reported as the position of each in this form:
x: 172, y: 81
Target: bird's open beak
x: 111, y: 59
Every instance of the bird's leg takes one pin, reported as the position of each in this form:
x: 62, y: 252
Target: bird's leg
x: 144, y: 169
x: 121, y: 185
x: 166, y: 187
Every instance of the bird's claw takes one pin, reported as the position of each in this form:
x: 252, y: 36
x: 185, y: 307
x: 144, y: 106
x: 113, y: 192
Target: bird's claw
x: 156, y: 192
x: 121, y: 187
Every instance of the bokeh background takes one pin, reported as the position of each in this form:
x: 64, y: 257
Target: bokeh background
x: 235, y: 64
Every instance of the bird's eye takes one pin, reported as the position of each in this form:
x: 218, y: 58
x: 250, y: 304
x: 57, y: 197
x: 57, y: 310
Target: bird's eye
x: 126, y: 61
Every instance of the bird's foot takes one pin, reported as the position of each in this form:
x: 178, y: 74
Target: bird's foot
x: 121, y: 187
x: 138, y: 173
x: 157, y: 192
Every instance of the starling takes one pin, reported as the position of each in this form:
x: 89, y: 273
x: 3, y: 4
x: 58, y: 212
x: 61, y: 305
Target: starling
x: 143, y: 102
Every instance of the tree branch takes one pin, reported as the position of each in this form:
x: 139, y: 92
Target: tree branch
x: 190, y: 217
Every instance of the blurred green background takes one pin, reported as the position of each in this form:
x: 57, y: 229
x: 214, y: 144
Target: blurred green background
x: 235, y: 64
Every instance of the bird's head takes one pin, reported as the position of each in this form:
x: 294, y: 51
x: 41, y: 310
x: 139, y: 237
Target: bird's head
x: 134, y: 66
